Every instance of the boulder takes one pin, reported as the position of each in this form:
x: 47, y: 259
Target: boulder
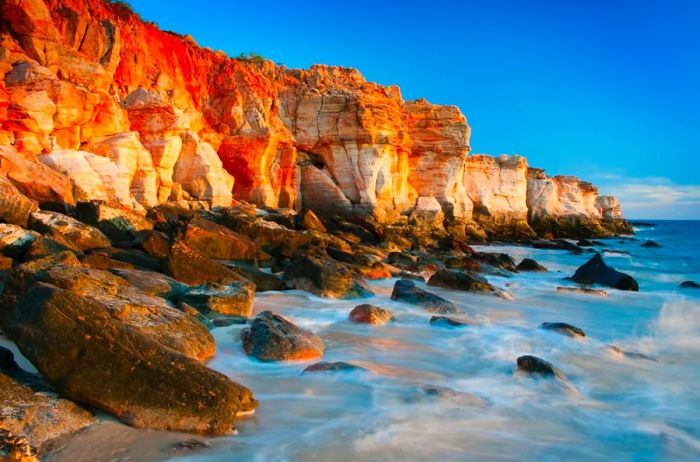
x: 325, y: 278
x: 370, y: 314
x: 191, y: 267
x: 651, y: 244
x: 117, y: 224
x: 690, y: 285
x: 103, y: 262
x: 461, y: 280
x: 15, y: 207
x: 95, y: 358
x: 563, y: 328
x: 338, y: 366
x: 233, y: 299
x: 43, y: 420
x: 309, y: 220
x: 595, y: 271
x: 448, y: 322
x: 556, y: 244
x: 218, y: 242
x: 150, y: 316
x: 407, y: 292
x: 67, y: 231
x: 272, y: 337
x: 263, y: 281
x: 528, y: 264
x: 500, y: 261
x: 538, y: 366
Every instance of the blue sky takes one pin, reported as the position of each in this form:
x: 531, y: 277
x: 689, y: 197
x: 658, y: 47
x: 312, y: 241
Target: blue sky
x: 607, y: 90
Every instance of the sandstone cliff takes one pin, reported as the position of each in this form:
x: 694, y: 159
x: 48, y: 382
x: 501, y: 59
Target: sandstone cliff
x: 108, y: 107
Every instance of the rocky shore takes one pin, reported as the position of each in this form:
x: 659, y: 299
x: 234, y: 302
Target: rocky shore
x: 149, y: 188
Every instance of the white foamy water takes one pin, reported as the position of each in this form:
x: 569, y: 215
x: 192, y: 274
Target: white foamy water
x: 613, y: 407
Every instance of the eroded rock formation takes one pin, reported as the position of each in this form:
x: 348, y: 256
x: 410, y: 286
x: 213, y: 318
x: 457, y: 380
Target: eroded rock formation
x: 113, y: 109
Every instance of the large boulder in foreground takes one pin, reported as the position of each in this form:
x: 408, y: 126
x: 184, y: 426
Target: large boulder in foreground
x: 595, y: 271
x: 146, y: 314
x: 43, y: 420
x: 407, y: 292
x: 325, y: 278
x: 67, y: 230
x: 92, y: 357
x: 272, y: 337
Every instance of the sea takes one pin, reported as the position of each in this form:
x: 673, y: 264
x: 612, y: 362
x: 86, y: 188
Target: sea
x: 612, y: 406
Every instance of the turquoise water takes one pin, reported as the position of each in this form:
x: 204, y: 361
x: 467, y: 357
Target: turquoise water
x: 612, y: 407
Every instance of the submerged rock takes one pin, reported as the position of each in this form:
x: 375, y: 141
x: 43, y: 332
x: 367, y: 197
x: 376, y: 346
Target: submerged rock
x: 272, y: 337
x: 407, y: 292
x: 595, y: 271
x: 651, y: 244
x: 527, y: 264
x: 690, y: 285
x: 370, y: 314
x: 583, y: 290
x: 501, y: 261
x: 630, y: 354
x: 457, y: 397
x: 563, y: 328
x: 534, y: 365
x: 448, y: 321
x: 337, y: 366
x: 92, y: 357
x: 556, y: 244
x: 325, y: 278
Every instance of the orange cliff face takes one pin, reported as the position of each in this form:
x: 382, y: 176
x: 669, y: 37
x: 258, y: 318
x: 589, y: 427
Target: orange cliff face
x: 135, y: 116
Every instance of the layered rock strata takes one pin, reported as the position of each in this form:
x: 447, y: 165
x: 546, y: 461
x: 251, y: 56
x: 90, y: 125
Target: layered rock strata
x: 107, y: 107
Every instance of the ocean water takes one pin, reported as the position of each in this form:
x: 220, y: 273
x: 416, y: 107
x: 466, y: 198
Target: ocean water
x: 611, y: 407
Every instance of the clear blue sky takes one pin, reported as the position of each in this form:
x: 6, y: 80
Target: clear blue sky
x: 607, y: 90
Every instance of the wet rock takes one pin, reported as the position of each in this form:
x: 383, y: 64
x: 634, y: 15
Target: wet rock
x: 153, y: 243
x: 191, y: 445
x: 530, y: 265
x: 67, y: 231
x: 595, y: 271
x: 448, y: 322
x: 138, y: 258
x: 215, y: 241
x: 630, y: 354
x: 616, y: 252
x: 42, y: 420
x: 10, y: 368
x: 461, y: 280
x: 338, y: 366
x: 407, y: 292
x: 563, y: 328
x: 93, y: 357
x: 651, y: 244
x: 15, y: 207
x: 263, y: 281
x: 457, y: 397
x: 690, y: 285
x: 583, y: 290
x: 497, y: 260
x: 116, y: 224
x: 534, y: 365
x: 556, y: 244
x: 325, y: 278
x: 463, y: 263
x: 272, y: 337
x: 152, y: 283
x: 43, y: 247
x: 370, y: 314
x: 191, y: 267
x: 233, y: 299
x: 145, y: 314
x: 585, y: 243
